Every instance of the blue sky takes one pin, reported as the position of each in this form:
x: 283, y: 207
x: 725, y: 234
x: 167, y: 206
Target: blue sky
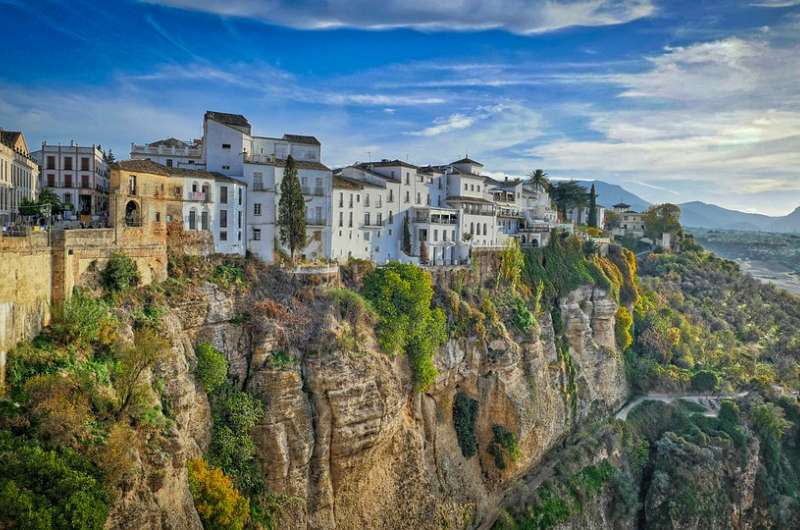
x: 674, y: 100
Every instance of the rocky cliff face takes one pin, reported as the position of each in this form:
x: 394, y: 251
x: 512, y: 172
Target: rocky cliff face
x: 347, y: 443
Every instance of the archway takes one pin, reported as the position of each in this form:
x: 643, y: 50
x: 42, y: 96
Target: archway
x: 133, y: 214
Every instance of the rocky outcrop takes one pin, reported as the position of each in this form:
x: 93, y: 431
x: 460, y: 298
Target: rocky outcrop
x: 347, y: 443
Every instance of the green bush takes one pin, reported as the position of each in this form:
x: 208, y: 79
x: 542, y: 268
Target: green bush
x: 401, y: 295
x: 623, y: 328
x: 228, y: 275
x: 465, y: 413
x: 79, y: 320
x: 44, y: 489
x: 235, y: 414
x: 705, y: 381
x: 504, y: 446
x: 522, y: 318
x: 120, y: 273
x: 212, y: 367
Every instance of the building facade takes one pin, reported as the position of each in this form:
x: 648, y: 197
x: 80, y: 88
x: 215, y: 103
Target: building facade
x: 448, y: 211
x: 19, y: 175
x: 171, y: 152
x: 79, y: 175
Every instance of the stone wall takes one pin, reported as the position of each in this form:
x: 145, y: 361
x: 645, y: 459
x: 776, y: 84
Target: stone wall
x: 39, y: 270
x: 26, y: 265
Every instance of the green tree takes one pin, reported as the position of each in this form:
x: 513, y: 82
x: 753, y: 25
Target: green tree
x: 212, y: 367
x: 109, y: 157
x: 539, y: 178
x: 120, y: 273
x: 292, y: 210
x: 48, y: 196
x: 662, y: 219
x: 568, y: 195
x: 592, y: 221
x: 132, y: 361
x: 406, y: 237
x: 401, y: 295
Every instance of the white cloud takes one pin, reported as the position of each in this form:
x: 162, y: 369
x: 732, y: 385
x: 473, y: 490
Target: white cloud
x: 776, y: 3
x: 519, y: 16
x: 444, y: 125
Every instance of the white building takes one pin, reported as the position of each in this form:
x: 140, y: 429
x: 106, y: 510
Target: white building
x: 78, y: 175
x: 580, y: 216
x: 259, y: 161
x: 171, y: 152
x: 19, y: 175
x: 449, y: 210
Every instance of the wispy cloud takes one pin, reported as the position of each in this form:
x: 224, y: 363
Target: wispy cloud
x: 519, y: 16
x: 776, y: 3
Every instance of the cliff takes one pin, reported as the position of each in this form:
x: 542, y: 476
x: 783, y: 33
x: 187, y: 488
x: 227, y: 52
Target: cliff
x: 346, y: 441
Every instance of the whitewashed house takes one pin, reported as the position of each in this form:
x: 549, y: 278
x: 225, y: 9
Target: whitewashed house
x: 19, y: 175
x: 171, y: 152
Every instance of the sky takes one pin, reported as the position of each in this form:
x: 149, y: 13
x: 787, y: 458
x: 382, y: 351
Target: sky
x: 674, y: 100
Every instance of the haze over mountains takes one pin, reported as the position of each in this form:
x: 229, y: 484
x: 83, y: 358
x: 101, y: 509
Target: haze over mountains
x: 699, y: 214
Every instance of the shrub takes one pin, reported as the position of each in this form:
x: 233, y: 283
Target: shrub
x: 119, y: 273
x: 522, y: 318
x: 623, y: 328
x: 42, y: 489
x: 465, y: 412
x: 79, y: 320
x: 401, y: 295
x: 235, y: 414
x: 218, y: 503
x: 705, y: 381
x: 504, y: 446
x: 212, y: 367
x: 132, y: 361
x: 228, y: 275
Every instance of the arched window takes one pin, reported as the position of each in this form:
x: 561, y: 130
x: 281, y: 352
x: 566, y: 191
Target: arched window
x: 133, y: 214
x: 471, y: 229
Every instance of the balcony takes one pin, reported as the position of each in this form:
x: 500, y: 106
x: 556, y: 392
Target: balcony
x: 190, y: 152
x: 259, y: 186
x: 435, y: 216
x: 250, y: 158
x: 317, y: 191
x: 198, y: 196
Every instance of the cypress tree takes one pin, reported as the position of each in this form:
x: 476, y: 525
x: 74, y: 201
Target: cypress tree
x: 593, y: 207
x: 406, y: 236
x: 292, y: 210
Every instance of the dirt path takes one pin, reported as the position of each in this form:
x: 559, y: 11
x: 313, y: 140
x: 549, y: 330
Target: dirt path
x: 708, y: 401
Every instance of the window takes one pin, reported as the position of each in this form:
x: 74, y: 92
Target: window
x: 226, y: 146
x: 358, y: 197
x: 258, y: 181
x: 408, y: 175
x: 350, y: 220
x: 419, y: 197
x: 223, y: 218
x: 391, y: 217
x: 158, y: 217
x: 257, y: 208
x: 204, y: 220
x: 194, y: 187
x: 351, y: 200
x: 366, y: 236
x: 68, y: 163
x: 408, y: 196
x: 436, y: 235
x: 169, y: 162
x: 240, y: 196
x: 466, y: 187
x: 341, y: 218
x: 239, y: 219
x: 131, y: 185
x: 226, y: 167
x: 68, y: 182
x: 84, y: 163
x: 256, y: 234
x: 51, y: 162
x: 366, y: 218
x: 223, y: 236
x: 192, y: 220
x: 391, y: 196
x: 223, y: 194
x: 380, y: 218
x: 85, y: 181
x: 366, y: 199
x: 341, y: 199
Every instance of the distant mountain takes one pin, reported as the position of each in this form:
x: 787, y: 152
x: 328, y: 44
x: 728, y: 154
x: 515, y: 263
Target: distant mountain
x: 698, y: 214
x: 703, y: 215
x: 610, y: 194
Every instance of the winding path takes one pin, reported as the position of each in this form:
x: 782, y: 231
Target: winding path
x: 710, y: 402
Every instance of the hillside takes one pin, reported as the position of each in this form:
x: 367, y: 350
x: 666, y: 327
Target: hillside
x: 611, y: 194
x: 698, y: 214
